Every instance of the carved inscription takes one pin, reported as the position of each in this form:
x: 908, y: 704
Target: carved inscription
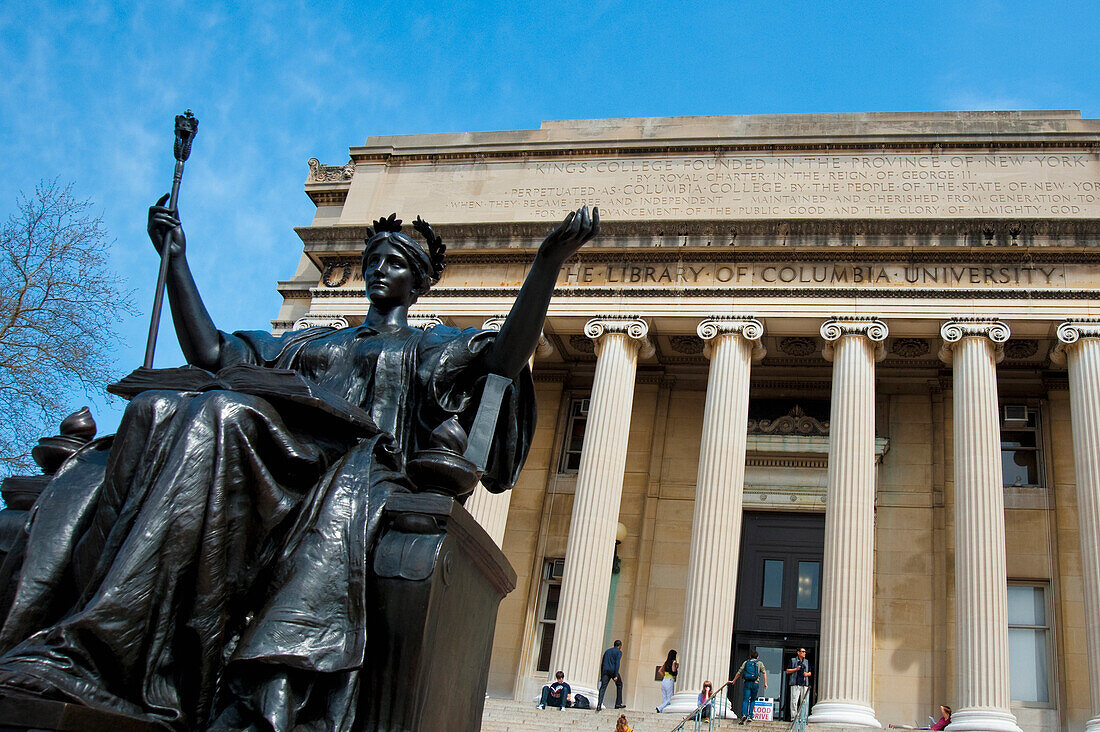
x: 732, y: 274
x: 879, y: 185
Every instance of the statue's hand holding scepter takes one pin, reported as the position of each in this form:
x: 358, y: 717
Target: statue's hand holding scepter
x: 186, y: 128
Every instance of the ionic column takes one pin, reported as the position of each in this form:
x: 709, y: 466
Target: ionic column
x: 1079, y: 347
x: 491, y: 509
x: 732, y: 344
x: 582, y: 609
x: 973, y: 347
x: 848, y: 569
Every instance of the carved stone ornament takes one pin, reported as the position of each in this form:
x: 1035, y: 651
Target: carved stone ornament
x: 314, y: 321
x: 1018, y: 348
x: 750, y: 329
x: 909, y: 347
x: 835, y: 328
x: 798, y: 346
x: 691, y: 345
x: 337, y: 274
x: 796, y: 422
x: 319, y: 173
x: 1068, y: 333
x: 954, y: 331
x: 581, y: 343
x: 634, y: 328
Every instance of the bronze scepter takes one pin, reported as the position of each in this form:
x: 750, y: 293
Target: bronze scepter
x: 186, y: 128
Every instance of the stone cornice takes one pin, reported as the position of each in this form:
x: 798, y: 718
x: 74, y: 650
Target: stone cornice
x: 836, y: 328
x: 1069, y: 333
x: 954, y: 331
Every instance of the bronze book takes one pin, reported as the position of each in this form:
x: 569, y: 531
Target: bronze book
x: 287, y: 388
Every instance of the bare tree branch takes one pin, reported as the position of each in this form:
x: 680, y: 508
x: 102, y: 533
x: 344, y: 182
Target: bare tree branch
x: 59, y: 305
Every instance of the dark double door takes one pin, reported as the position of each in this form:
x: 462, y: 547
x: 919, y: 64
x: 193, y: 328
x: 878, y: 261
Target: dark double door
x: 778, y: 596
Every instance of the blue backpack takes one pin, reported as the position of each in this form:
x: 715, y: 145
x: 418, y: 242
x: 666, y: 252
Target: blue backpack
x: 751, y: 670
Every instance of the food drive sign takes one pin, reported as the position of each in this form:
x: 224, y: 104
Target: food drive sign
x: 764, y: 710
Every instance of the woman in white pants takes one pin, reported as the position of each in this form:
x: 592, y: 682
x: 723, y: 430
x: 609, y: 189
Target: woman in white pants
x: 668, y: 683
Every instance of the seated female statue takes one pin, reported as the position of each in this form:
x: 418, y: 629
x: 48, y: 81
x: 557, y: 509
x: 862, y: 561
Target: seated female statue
x: 206, y: 566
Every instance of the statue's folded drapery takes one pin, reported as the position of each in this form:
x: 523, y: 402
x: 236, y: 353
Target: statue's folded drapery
x: 147, y: 554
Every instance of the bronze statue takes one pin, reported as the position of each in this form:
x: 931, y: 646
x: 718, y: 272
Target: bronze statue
x: 206, y: 566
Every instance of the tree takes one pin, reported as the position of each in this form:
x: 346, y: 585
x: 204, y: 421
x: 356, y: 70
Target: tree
x: 60, y: 303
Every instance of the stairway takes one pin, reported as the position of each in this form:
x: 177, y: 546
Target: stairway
x: 512, y: 716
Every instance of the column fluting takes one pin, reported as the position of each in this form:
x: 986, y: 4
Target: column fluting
x: 847, y: 578
x: 590, y: 548
x: 716, y: 524
x: 981, y: 583
x: 1079, y: 348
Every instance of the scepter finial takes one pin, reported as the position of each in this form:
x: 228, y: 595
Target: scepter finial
x: 187, y: 126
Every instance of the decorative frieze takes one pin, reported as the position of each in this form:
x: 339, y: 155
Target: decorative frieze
x: 425, y: 321
x: 909, y: 347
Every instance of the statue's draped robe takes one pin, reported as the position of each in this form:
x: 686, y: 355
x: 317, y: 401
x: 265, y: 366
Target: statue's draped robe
x: 148, y: 553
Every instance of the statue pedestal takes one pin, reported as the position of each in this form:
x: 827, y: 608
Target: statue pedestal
x: 439, y: 579
x: 24, y: 714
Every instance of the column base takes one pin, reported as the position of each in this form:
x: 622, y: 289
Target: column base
x: 983, y: 720
x: 1093, y: 725
x: 843, y: 713
x: 593, y: 693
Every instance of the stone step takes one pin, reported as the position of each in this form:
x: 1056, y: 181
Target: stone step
x: 512, y: 716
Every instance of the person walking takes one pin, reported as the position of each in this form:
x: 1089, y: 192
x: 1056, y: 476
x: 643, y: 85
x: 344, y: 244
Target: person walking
x: 798, y: 674
x: 752, y: 672
x: 668, y: 684
x: 609, y: 671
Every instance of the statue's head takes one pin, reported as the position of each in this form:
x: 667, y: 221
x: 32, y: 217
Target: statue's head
x: 385, y: 237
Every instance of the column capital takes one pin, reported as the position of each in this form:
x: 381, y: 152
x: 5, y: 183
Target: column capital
x: 313, y: 320
x: 542, y: 350
x: 424, y: 321
x: 1070, y: 332
x: 954, y: 331
x: 633, y: 327
x: 836, y: 327
x: 750, y: 329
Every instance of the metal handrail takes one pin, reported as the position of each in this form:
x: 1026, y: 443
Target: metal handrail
x: 798, y: 724
x: 695, y: 716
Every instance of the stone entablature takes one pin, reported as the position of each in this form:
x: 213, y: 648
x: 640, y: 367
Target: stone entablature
x: 938, y: 166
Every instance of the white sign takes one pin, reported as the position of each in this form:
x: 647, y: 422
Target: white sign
x: 764, y: 711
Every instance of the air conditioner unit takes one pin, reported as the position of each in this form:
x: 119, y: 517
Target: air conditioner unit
x: 555, y: 569
x: 1014, y: 412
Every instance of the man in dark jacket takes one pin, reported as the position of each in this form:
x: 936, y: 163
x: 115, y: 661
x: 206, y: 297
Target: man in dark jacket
x: 609, y: 671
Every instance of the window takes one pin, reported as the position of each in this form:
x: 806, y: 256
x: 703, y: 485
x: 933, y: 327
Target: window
x: 809, y: 585
x: 1021, y: 459
x: 772, y: 595
x: 548, y: 610
x: 1028, y: 643
x: 575, y: 422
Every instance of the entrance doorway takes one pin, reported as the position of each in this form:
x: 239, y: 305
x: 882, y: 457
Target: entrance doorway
x: 778, y: 597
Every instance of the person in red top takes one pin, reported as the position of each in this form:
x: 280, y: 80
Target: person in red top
x: 945, y: 718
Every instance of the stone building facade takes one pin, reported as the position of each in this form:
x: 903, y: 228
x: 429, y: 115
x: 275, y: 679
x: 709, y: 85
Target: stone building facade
x: 829, y: 381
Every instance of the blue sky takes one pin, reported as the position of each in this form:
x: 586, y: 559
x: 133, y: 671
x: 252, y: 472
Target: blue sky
x: 88, y: 92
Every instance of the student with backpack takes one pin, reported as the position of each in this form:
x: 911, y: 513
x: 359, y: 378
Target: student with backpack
x: 752, y: 672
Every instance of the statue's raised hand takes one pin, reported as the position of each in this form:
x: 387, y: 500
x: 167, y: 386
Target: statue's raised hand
x: 577, y: 228
x: 162, y: 221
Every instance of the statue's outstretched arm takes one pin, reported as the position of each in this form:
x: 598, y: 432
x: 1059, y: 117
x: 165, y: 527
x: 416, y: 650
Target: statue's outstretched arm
x: 521, y: 329
x: 195, y: 330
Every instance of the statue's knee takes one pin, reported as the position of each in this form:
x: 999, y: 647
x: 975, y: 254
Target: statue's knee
x: 223, y: 407
x: 153, y: 403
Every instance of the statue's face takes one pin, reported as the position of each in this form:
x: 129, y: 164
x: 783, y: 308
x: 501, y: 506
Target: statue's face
x: 390, y: 279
